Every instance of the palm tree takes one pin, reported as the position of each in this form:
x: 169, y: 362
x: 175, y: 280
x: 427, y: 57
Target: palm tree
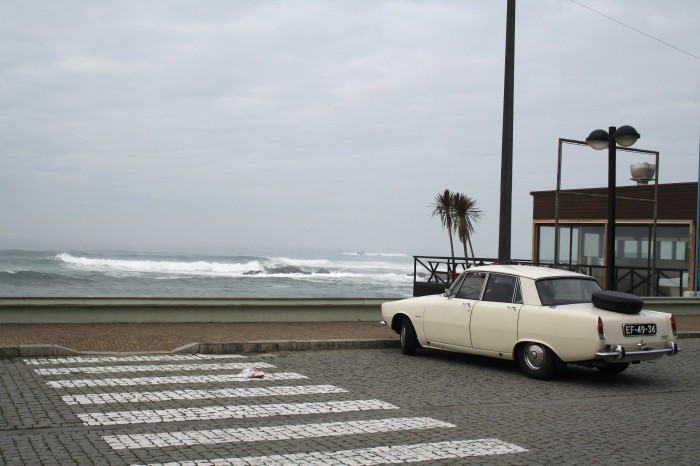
x: 465, y: 215
x: 443, y: 209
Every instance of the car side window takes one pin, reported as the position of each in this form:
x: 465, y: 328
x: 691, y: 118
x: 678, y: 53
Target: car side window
x: 456, y: 285
x: 502, y: 289
x: 471, y: 286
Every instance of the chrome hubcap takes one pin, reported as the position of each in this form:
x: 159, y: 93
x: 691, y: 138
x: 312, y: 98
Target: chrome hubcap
x: 535, y: 356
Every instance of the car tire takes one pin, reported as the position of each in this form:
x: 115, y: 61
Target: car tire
x: 538, y: 361
x: 409, y: 340
x: 616, y: 301
x: 612, y: 368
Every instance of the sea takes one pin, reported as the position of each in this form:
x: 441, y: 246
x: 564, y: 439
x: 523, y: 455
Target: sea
x: 118, y: 273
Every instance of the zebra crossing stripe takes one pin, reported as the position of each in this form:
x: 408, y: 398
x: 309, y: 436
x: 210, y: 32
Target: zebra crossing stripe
x: 207, y: 413
x: 144, y: 358
x: 175, y: 379
x: 151, y: 368
x: 270, y: 433
x: 377, y: 455
x: 141, y: 397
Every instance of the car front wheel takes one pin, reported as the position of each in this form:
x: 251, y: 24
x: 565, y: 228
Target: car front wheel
x: 538, y: 361
x: 409, y: 341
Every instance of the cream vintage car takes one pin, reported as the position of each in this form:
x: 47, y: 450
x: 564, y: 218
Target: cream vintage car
x: 544, y: 318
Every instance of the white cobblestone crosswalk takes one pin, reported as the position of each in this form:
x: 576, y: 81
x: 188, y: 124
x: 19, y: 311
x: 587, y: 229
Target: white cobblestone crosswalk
x: 174, y: 379
x: 269, y: 433
x: 141, y: 397
x: 285, y: 429
x: 207, y: 413
x: 372, y: 456
x: 151, y: 368
x: 139, y: 358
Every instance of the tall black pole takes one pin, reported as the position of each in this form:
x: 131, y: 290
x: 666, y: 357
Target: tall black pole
x: 504, y: 231
x: 612, y: 217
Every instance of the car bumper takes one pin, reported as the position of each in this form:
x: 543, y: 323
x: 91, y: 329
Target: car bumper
x: 619, y: 353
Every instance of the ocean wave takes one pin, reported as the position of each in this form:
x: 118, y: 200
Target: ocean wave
x: 33, y: 278
x: 140, y: 273
x: 158, y: 267
x: 260, y: 267
x: 302, y: 262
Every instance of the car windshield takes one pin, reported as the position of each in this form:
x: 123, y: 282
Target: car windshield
x: 556, y: 291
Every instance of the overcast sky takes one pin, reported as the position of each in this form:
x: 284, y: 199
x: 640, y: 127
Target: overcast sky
x: 225, y: 125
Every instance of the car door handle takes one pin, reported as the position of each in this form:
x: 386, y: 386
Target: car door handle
x: 467, y: 304
x: 513, y: 308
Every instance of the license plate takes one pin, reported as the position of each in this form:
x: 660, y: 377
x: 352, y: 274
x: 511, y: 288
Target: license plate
x: 630, y: 330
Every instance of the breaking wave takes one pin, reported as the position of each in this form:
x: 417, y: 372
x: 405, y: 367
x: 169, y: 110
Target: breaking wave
x: 140, y: 273
x: 159, y: 267
x: 259, y: 267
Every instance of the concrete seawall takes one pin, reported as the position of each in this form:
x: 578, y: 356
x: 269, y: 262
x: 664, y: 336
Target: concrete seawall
x: 155, y: 310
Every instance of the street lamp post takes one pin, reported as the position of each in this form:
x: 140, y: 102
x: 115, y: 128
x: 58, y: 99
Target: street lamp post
x: 643, y: 176
x: 598, y: 140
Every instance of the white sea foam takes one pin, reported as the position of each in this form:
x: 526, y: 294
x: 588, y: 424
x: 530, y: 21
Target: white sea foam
x: 303, y: 262
x: 319, y: 269
x: 163, y: 267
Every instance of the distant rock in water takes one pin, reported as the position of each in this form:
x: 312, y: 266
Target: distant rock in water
x: 252, y: 272
x: 323, y: 271
x: 287, y: 269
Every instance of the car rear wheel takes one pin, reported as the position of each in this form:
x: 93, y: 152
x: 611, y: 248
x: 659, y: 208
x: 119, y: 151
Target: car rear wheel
x: 612, y: 368
x: 538, y: 361
x: 409, y: 340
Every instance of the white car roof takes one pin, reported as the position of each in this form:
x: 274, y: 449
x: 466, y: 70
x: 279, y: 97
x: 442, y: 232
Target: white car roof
x: 527, y: 271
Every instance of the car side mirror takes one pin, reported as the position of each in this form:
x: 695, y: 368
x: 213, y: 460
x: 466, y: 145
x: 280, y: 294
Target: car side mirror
x: 447, y: 293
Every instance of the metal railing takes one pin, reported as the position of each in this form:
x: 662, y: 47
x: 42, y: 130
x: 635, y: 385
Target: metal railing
x: 432, y: 274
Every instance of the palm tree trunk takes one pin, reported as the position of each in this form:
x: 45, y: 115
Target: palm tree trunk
x: 451, y: 268
x: 469, y: 238
x: 452, y: 246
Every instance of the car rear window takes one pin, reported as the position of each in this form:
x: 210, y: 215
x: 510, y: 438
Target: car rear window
x: 556, y: 291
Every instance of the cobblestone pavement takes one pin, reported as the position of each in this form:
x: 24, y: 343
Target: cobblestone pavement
x: 344, y: 407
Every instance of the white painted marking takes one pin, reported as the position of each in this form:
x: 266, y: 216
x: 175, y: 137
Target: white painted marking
x: 152, y: 368
x: 153, y: 416
x: 144, y: 358
x: 377, y: 455
x: 175, y: 379
x: 286, y: 432
x: 141, y: 397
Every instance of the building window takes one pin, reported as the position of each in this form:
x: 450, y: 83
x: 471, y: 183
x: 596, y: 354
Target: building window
x: 591, y: 244
x: 583, y: 244
x: 545, y: 248
x: 631, y: 249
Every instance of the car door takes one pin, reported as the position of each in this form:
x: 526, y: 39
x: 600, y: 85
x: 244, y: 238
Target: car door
x: 446, y: 321
x: 494, y: 319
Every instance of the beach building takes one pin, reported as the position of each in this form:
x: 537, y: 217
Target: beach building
x: 654, y: 240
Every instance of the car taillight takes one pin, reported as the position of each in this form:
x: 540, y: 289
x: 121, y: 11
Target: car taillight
x: 601, y: 331
x: 673, y: 326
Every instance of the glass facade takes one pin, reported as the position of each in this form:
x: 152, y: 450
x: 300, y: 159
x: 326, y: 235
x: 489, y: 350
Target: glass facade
x: 582, y: 248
